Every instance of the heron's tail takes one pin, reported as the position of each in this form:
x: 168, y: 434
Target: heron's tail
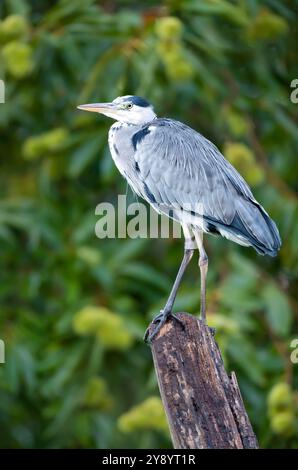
x: 273, y: 245
x: 252, y: 226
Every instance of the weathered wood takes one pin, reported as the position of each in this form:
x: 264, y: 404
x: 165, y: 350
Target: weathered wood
x: 202, y: 403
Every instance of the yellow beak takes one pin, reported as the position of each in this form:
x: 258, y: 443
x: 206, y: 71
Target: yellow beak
x: 98, y: 107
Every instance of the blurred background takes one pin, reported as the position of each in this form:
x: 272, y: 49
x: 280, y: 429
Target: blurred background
x: 73, y: 307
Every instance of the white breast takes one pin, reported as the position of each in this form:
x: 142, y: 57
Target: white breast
x: 122, y: 152
x: 113, y: 148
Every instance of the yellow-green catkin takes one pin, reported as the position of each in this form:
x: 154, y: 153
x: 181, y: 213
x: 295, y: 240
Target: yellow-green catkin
x: 281, y: 409
x: 267, y: 25
x: 47, y: 142
x: 108, y: 327
x: 17, y: 58
x: 13, y: 27
x: 243, y: 159
x: 148, y: 415
x: 96, y: 394
x: 171, y: 50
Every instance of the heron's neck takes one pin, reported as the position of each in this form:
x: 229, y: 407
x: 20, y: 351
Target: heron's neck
x: 120, y: 124
x: 138, y: 119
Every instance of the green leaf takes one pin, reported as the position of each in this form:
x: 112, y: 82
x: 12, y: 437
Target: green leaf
x: 84, y: 154
x: 277, y: 308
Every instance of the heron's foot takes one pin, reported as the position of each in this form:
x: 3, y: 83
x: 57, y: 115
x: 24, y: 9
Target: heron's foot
x: 159, y: 321
x: 203, y: 318
x: 203, y: 315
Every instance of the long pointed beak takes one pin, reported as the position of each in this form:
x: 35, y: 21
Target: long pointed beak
x: 97, y: 107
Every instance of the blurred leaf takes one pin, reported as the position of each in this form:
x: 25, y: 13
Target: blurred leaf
x: 84, y: 154
x: 278, y: 311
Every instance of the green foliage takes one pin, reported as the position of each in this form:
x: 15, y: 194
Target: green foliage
x: 13, y: 27
x: 17, y: 58
x: 147, y: 415
x: 244, y: 161
x: 267, y: 25
x: 281, y: 409
x: 96, y: 394
x: 171, y: 50
x: 74, y: 308
x: 107, y: 326
x: 38, y: 146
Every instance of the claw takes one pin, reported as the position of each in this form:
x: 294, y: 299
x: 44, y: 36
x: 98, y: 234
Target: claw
x: 160, y: 319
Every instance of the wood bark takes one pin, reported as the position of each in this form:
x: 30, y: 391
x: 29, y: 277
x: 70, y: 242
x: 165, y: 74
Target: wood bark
x: 203, y: 404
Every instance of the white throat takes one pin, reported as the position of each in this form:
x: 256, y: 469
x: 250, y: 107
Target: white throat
x: 136, y: 116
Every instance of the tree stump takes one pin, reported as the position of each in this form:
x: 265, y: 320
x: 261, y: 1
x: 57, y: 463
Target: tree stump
x: 203, y: 404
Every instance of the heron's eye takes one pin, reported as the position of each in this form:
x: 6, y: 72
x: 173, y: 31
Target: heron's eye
x: 129, y: 106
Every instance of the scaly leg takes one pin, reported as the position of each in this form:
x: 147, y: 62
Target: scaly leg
x: 203, y: 264
x: 164, y: 314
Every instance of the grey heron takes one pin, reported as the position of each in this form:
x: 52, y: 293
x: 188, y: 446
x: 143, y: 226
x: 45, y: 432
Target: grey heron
x: 184, y: 175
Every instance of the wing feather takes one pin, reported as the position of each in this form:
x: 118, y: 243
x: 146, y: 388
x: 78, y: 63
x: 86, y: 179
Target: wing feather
x: 181, y: 168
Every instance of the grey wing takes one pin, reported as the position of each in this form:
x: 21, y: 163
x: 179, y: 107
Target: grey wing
x: 181, y: 169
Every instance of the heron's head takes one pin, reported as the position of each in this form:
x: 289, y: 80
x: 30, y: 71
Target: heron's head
x: 129, y: 109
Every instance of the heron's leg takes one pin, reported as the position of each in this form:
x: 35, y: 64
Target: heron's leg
x: 164, y: 314
x: 203, y: 264
x: 185, y: 261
